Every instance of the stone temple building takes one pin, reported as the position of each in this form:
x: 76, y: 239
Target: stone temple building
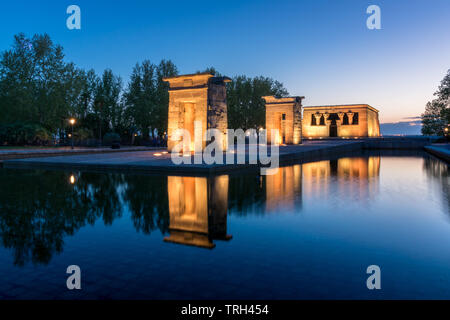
x: 345, y: 121
x: 202, y: 98
x: 284, y: 114
x: 196, y: 97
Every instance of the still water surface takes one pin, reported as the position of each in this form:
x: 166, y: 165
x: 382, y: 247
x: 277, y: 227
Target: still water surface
x: 309, y: 231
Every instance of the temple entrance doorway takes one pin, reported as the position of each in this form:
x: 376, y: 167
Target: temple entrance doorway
x: 333, y: 128
x: 281, y: 127
x: 189, y: 117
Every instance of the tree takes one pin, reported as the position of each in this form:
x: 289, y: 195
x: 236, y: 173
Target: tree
x: 437, y: 112
x: 88, y: 83
x: 211, y: 70
x: 165, y: 69
x: 139, y: 89
x: 147, y: 96
x: 38, y: 89
x: 246, y: 108
x: 107, y: 105
x: 433, y: 118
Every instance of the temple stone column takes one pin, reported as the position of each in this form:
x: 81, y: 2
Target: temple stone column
x: 350, y: 117
x: 318, y: 116
x: 327, y: 119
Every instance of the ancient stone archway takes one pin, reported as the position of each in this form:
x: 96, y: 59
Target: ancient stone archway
x: 197, y: 98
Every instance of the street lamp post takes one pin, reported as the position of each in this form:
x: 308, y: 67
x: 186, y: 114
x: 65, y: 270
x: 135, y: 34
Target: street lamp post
x: 72, y: 122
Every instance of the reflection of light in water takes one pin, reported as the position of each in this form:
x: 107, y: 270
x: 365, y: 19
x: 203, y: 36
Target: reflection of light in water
x: 283, y: 187
x: 157, y: 154
x: 72, y: 179
x: 355, y: 176
x: 198, y: 210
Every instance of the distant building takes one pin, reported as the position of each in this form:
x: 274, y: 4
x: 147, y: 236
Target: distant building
x: 345, y: 121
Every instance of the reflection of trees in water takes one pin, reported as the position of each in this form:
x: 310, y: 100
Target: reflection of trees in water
x: 246, y: 194
x: 39, y: 208
x: 148, y: 202
x: 440, y: 171
x: 101, y: 193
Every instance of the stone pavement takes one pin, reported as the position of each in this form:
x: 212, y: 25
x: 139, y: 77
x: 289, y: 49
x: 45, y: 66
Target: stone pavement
x: 159, y: 160
x: 21, y: 153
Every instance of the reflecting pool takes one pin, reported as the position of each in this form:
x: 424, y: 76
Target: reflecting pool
x: 309, y: 231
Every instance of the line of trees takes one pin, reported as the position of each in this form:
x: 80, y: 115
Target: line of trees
x: 437, y: 112
x: 40, y: 91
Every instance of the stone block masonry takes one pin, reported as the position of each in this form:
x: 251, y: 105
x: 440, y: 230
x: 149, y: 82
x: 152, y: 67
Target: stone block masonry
x: 196, y: 97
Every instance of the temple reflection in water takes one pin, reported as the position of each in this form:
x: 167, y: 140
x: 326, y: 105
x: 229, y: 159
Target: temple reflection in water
x: 360, y: 171
x: 198, y: 206
x: 283, y: 189
x: 194, y: 210
x: 198, y: 210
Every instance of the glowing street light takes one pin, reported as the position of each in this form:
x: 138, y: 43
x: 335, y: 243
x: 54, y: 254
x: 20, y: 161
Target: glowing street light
x: 72, y: 122
x: 72, y: 179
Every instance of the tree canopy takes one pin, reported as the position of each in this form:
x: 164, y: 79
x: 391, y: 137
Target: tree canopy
x: 40, y: 91
x: 437, y: 112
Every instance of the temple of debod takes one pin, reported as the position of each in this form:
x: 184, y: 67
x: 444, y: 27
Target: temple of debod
x: 197, y: 98
x: 344, y: 121
x: 198, y: 102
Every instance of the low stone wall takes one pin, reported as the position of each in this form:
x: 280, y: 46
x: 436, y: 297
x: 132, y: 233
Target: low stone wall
x: 398, y: 143
x: 322, y: 153
x: 440, y: 150
x: 36, y: 153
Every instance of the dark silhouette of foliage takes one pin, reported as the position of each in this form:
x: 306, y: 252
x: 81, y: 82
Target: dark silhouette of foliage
x: 437, y: 112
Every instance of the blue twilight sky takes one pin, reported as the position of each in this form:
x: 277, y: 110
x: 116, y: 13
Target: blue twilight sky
x: 319, y: 49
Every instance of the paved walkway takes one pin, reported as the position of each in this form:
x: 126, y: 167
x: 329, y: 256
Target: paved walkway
x: 160, y: 161
x: 6, y: 154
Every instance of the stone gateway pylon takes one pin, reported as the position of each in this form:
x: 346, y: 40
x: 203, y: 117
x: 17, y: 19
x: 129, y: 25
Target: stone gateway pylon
x: 284, y: 115
x: 200, y: 98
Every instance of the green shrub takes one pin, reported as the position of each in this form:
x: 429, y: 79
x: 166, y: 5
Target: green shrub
x: 83, y: 134
x: 24, y: 133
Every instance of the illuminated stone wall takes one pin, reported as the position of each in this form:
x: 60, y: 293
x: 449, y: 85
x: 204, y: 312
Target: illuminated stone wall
x: 197, y: 97
x: 373, y: 123
x: 285, y: 115
x: 345, y: 121
x: 283, y: 189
